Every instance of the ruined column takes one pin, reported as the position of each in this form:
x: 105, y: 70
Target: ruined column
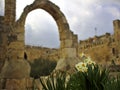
x: 116, y: 24
x: 10, y: 11
x: 15, y: 70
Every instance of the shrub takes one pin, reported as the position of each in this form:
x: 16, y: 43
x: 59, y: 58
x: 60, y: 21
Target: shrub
x: 41, y: 67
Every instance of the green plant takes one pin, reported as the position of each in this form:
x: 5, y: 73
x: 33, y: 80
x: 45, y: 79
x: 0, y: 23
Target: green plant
x: 96, y: 78
x: 34, y: 87
x: 113, y: 84
x: 89, y: 76
x: 77, y: 82
x: 41, y: 67
x: 93, y: 79
x: 56, y: 81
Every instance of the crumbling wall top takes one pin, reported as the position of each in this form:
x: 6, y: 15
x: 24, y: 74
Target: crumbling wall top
x: 1, y: 19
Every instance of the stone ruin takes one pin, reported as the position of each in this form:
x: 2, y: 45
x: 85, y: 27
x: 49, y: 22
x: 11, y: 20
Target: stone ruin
x: 14, y: 69
x: 103, y: 49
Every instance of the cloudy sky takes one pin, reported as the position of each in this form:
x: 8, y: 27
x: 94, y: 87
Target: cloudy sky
x: 84, y: 16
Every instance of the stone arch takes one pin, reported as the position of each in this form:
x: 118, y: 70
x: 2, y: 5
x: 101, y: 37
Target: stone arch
x: 54, y: 11
x: 51, y: 31
x: 68, y: 41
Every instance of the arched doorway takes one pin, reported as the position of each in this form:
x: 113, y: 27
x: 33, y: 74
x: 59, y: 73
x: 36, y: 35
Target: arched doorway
x: 41, y: 30
x: 54, y: 11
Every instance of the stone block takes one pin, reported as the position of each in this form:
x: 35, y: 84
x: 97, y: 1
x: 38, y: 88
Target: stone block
x: 16, y: 45
x: 20, y: 37
x: 75, y: 37
x: 68, y: 52
x: 62, y: 44
x: 68, y: 43
x: 16, y: 84
x: 20, y: 29
x: 15, y: 69
x: 67, y: 64
x: 62, y: 35
x: 16, y: 54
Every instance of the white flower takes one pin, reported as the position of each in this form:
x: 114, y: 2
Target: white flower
x: 82, y: 67
x: 82, y: 54
x: 89, y: 61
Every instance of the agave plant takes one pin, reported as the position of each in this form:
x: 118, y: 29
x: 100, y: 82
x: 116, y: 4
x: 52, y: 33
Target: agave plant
x: 56, y: 81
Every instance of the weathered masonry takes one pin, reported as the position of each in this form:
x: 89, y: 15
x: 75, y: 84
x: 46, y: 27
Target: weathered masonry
x: 103, y: 49
x: 13, y: 66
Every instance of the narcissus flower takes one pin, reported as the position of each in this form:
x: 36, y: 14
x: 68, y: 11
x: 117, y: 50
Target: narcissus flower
x: 89, y: 61
x: 83, y: 66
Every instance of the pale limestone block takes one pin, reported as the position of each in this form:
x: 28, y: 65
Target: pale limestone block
x: 62, y: 44
x: 16, y: 84
x: 16, y: 45
x: 15, y: 69
x: 69, y: 52
x: 68, y: 43
x: 20, y: 37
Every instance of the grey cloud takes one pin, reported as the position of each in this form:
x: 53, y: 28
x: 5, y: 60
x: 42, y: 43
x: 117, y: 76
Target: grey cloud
x: 46, y: 38
x: 42, y: 31
x: 85, y: 25
x: 110, y: 2
x: 100, y: 18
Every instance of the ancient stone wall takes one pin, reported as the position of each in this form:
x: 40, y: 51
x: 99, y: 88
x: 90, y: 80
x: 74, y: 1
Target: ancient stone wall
x: 34, y: 52
x: 103, y: 49
x: 96, y: 41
